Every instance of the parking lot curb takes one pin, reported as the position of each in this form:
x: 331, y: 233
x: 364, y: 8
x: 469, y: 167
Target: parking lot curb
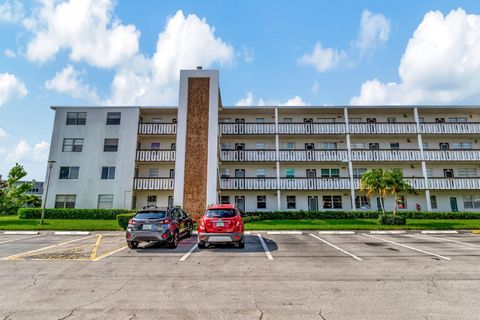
x: 71, y: 233
x: 439, y: 232
x: 336, y: 232
x: 476, y: 231
x: 20, y: 232
x: 387, y: 232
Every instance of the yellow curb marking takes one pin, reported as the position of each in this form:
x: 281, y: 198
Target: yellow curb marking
x: 95, y: 248
x: 476, y: 231
x: 109, y: 253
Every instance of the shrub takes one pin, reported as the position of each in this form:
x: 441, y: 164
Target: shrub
x: 392, y: 220
x: 123, y: 218
x: 71, y: 214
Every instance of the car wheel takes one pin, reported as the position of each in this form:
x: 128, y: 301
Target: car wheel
x: 240, y: 244
x: 132, y: 244
x: 201, y: 245
x: 174, y: 242
x: 189, y: 232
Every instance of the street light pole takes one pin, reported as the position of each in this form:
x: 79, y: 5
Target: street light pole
x: 49, y: 172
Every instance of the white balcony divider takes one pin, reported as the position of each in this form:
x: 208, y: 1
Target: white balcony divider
x: 247, y: 128
x: 285, y: 184
x: 454, y: 183
x: 155, y: 155
x: 451, y: 155
x: 385, y: 155
x: 157, y: 128
x: 247, y: 155
x: 153, y: 183
x: 379, y: 127
x: 311, y: 128
x: 450, y: 128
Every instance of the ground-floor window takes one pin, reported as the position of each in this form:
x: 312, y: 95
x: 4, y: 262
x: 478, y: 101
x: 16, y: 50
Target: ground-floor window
x: 224, y: 199
x: 433, y: 202
x: 261, y: 202
x: 65, y: 201
x: 170, y: 201
x: 105, y: 201
x: 291, y: 202
x: 332, y: 202
x: 151, y: 200
x: 401, y: 202
x: 471, y: 202
x: 362, y: 202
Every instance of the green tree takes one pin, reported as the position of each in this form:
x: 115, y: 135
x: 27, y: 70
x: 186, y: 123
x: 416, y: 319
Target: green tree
x: 374, y: 182
x: 12, y: 194
x: 396, y: 185
x: 32, y: 201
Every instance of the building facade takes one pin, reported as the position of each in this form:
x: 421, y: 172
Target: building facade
x: 261, y: 158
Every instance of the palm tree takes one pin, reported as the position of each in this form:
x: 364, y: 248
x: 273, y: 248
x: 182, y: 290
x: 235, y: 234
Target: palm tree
x: 395, y: 184
x: 374, y: 181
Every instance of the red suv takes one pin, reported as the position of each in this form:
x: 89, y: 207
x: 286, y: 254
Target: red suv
x: 221, y: 223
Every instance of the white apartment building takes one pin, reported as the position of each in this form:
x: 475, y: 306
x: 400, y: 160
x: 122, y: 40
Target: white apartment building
x: 260, y: 157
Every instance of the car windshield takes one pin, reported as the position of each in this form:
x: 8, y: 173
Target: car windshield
x: 151, y: 215
x: 221, y: 213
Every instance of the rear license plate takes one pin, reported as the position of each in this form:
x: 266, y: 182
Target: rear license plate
x: 147, y: 227
x: 220, y: 224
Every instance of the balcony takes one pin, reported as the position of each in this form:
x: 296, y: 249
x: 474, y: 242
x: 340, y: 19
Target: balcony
x: 247, y: 155
x: 247, y: 128
x: 153, y: 183
x: 386, y: 155
x: 157, y: 128
x: 155, y: 155
x: 454, y: 183
x: 450, y: 128
x: 285, y: 184
x: 311, y: 128
x: 451, y: 155
x: 285, y: 155
x: 383, y: 127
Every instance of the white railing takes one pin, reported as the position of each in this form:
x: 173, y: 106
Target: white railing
x: 313, y: 155
x: 311, y: 128
x: 386, y: 155
x: 450, y: 128
x: 415, y: 183
x: 285, y: 184
x: 452, y: 155
x: 454, y: 183
x: 247, y: 128
x: 157, y: 128
x: 155, y: 155
x: 378, y: 127
x: 153, y: 183
x: 247, y: 155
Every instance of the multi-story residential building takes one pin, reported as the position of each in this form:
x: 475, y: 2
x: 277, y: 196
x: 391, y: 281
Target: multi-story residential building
x: 261, y: 158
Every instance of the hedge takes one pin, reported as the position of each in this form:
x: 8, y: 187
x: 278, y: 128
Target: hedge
x: 122, y: 219
x: 392, y: 220
x: 71, y: 214
x: 360, y: 214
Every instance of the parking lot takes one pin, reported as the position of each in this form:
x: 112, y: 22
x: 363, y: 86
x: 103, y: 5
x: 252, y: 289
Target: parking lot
x: 279, y: 275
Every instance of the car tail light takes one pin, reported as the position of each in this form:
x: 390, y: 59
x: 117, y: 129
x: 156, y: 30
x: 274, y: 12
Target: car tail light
x: 131, y: 221
x: 201, y: 226
x: 166, y: 221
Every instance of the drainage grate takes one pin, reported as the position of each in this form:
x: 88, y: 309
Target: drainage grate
x: 72, y: 254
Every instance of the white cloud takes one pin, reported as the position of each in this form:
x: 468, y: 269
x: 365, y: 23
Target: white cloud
x: 32, y: 158
x: 248, y: 54
x: 323, y: 59
x: 11, y: 11
x: 374, y: 30
x: 67, y: 81
x: 3, y: 134
x: 295, y: 102
x: 315, y: 87
x: 186, y: 42
x: 249, y: 101
x: 86, y: 28
x: 440, y: 65
x: 11, y: 86
x: 9, y: 53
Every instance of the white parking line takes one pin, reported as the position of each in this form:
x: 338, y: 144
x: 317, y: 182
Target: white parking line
x: 408, y: 247
x: 186, y: 255
x: 20, y: 232
x: 267, y: 252
x: 334, y: 246
x: 336, y: 232
x: 439, y: 232
x: 11, y: 240
x: 284, y: 232
x: 444, y: 239
x: 388, y: 232
x: 71, y: 233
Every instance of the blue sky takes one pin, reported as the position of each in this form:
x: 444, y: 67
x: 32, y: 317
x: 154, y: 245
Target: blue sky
x: 101, y: 52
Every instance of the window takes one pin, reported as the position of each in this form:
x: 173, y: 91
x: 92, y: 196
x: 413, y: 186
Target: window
x: 72, y: 145
x: 288, y: 120
x: 155, y: 145
x: 111, y: 145
x: 259, y: 120
x: 425, y: 145
x: 260, y: 146
x: 373, y: 146
x: 448, y: 173
x: 226, y: 146
x: 327, y: 173
x: 76, y: 118
x: 151, y: 200
x: 433, y: 202
x: 421, y: 119
x: 439, y: 120
x: 289, y: 145
x: 462, y: 145
x: 291, y: 202
x: 153, y: 172
x: 172, y: 173
x: 224, y: 199
x: 113, y: 118
x: 401, y: 202
x: 261, y: 202
x: 108, y: 173
x: 371, y: 120
x: 225, y: 173
x: 354, y: 120
x: 391, y: 120
x: 457, y: 119
x: 358, y: 145
x: 290, y: 173
x: 444, y: 146
x: 225, y: 120
x: 261, y: 173
x: 65, y: 200
x: 395, y: 145
x: 105, y: 201
x: 309, y: 146
x: 329, y: 145
x: 467, y: 172
x: 332, y: 202
x: 471, y: 202
x: 362, y: 202
x: 239, y: 173
x: 358, y: 172
x: 429, y: 173
x: 173, y: 146
x: 69, y: 172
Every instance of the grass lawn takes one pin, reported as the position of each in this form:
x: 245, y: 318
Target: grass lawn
x: 13, y: 223
x: 359, y: 224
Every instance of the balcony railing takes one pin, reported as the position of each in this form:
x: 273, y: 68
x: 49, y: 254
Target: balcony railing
x: 155, y: 155
x: 247, y: 128
x: 153, y: 183
x: 284, y: 155
x: 247, y: 155
x: 454, y: 183
x: 311, y: 128
x: 450, y: 128
x: 451, y: 155
x: 386, y: 155
x: 285, y: 184
x: 383, y: 127
x: 157, y: 128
